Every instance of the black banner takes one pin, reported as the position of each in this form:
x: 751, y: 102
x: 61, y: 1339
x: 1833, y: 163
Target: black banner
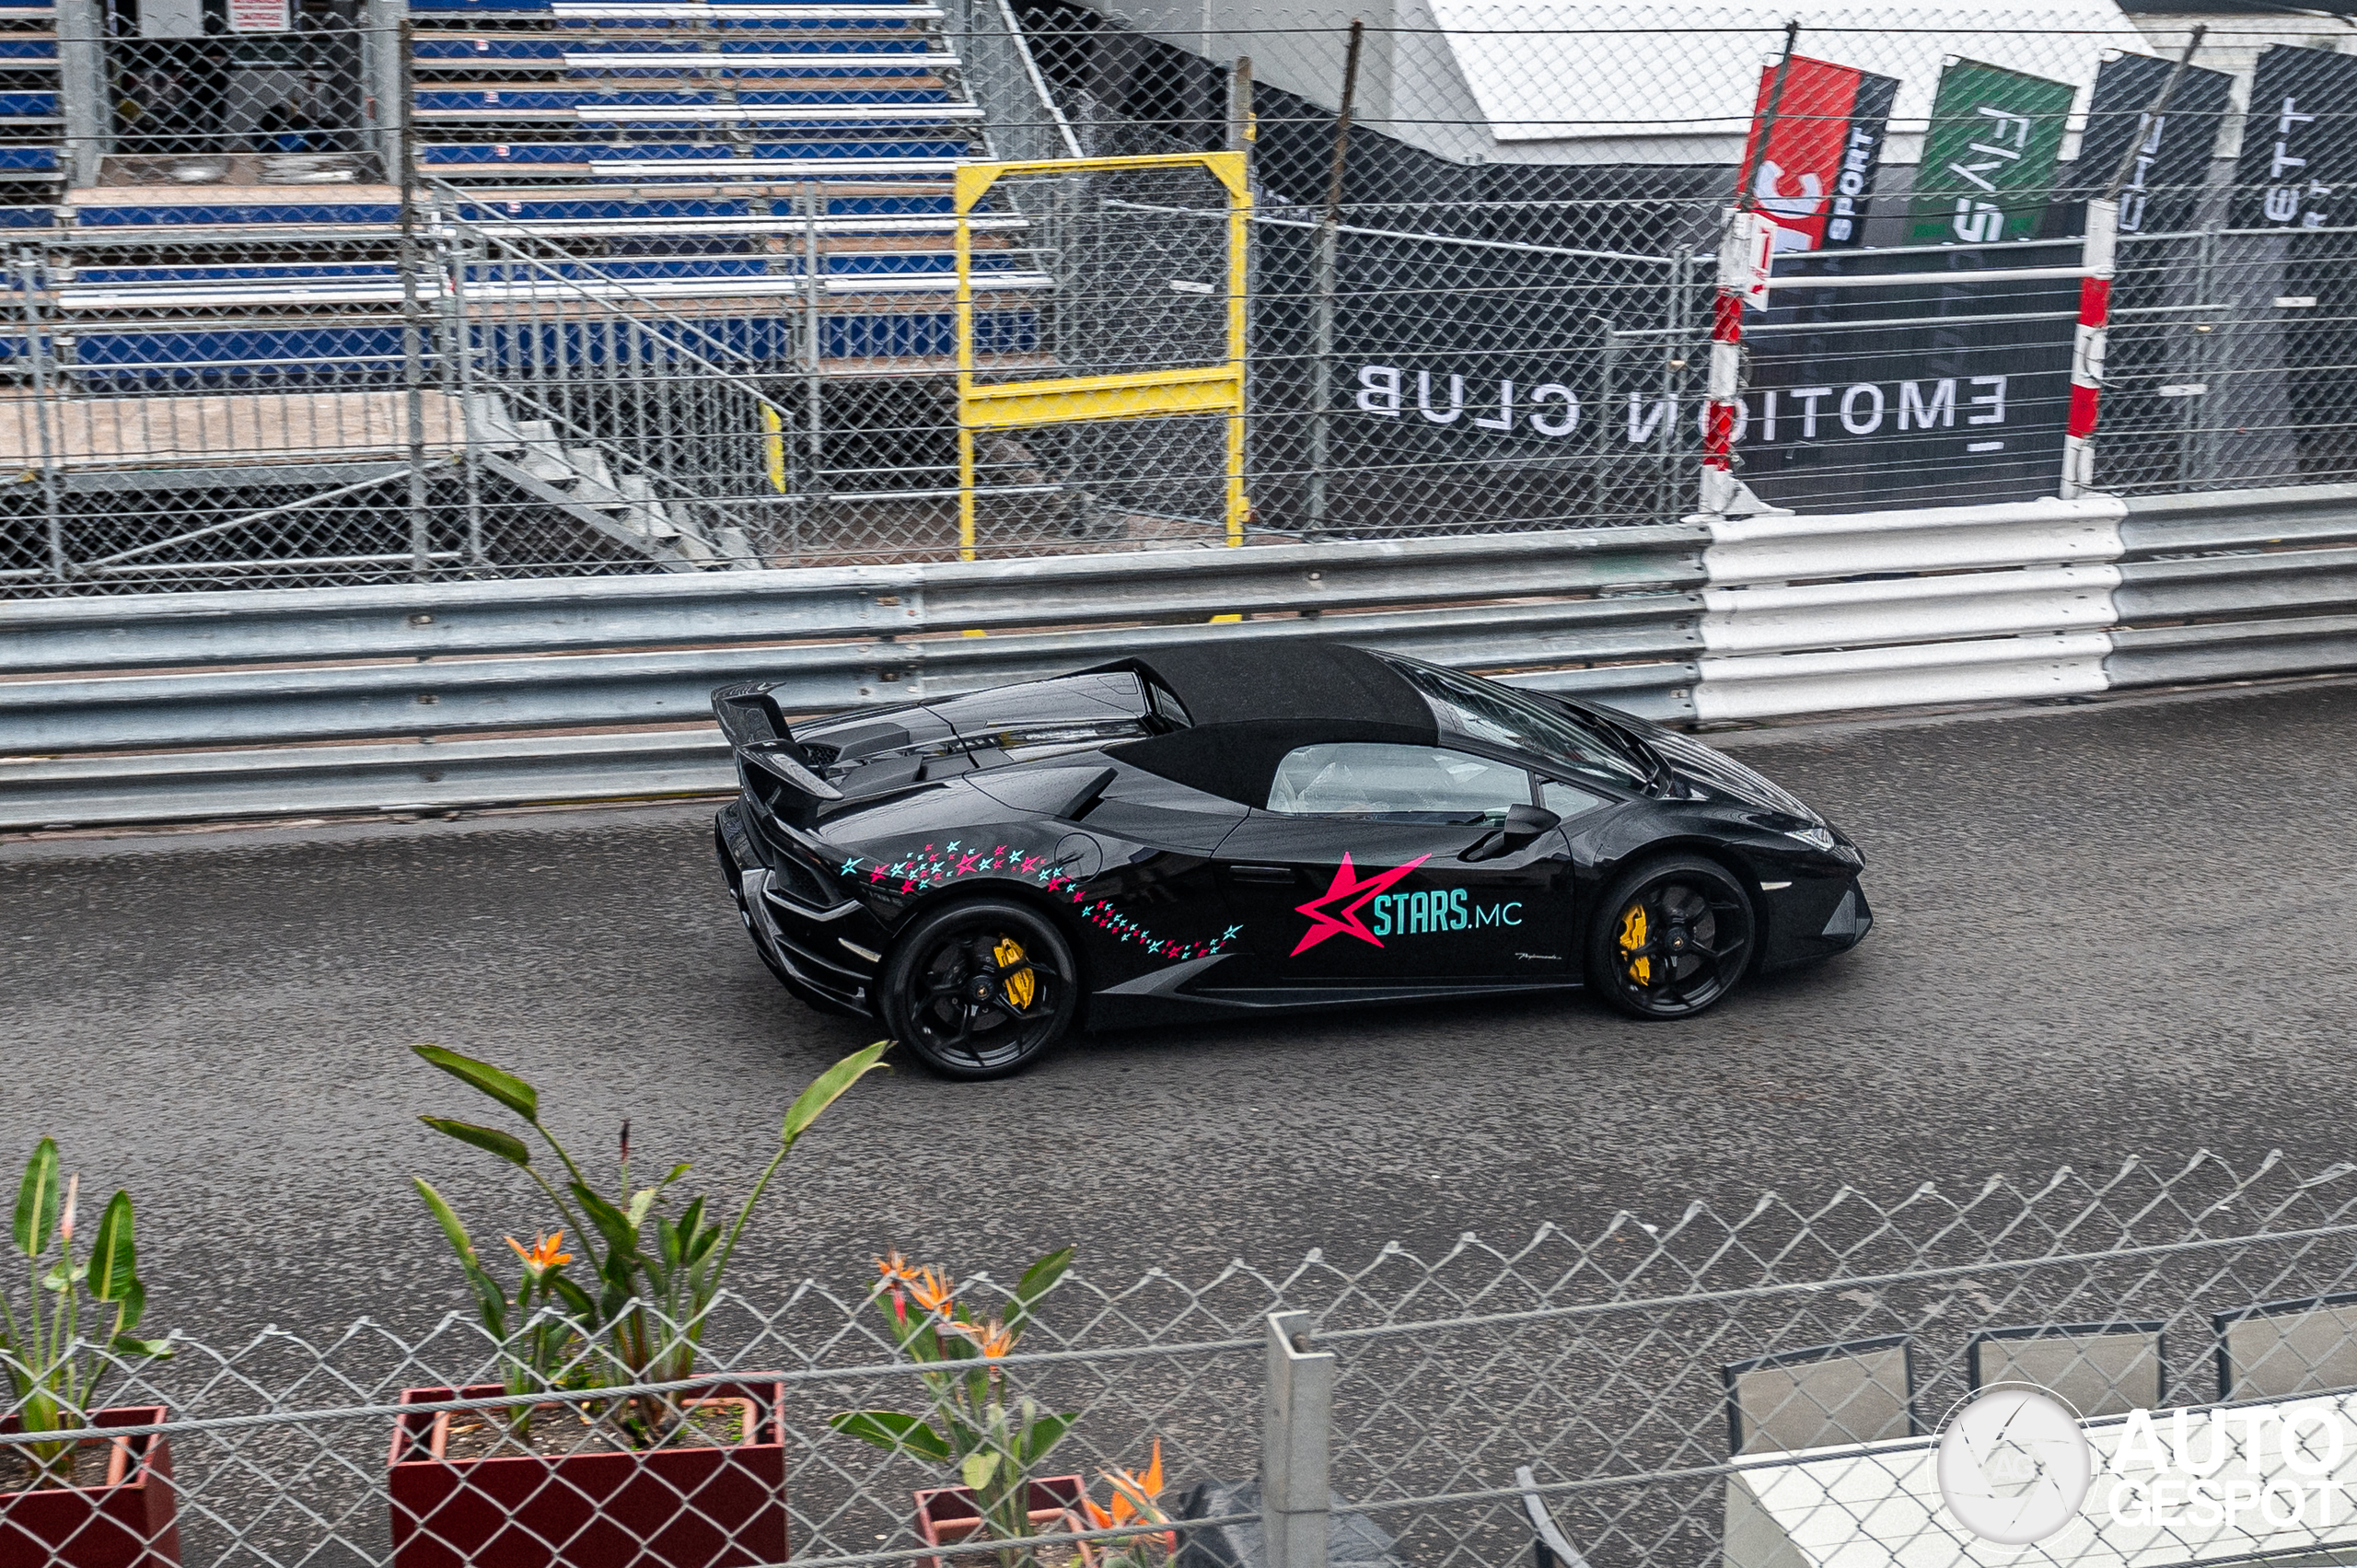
x: 2298, y: 167
x: 1861, y: 399
x: 2172, y: 160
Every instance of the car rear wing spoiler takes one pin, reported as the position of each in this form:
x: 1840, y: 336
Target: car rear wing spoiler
x: 764, y: 744
x: 747, y: 711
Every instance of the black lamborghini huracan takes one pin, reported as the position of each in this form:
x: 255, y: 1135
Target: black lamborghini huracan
x: 1242, y: 827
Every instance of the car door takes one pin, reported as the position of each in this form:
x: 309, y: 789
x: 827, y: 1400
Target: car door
x: 1351, y: 876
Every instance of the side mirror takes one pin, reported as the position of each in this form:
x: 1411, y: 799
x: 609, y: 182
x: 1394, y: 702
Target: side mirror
x: 1523, y: 825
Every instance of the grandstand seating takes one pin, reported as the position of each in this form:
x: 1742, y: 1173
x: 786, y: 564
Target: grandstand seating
x: 703, y: 155
x: 31, y: 167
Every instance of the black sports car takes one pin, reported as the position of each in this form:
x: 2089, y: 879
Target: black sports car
x: 1244, y: 827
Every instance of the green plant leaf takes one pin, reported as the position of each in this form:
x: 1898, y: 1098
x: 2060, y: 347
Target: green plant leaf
x: 114, y: 1264
x: 447, y: 1218
x: 131, y: 1306
x: 506, y: 1088
x: 639, y: 1203
x: 1045, y: 1432
x: 576, y: 1300
x: 491, y: 1300
x: 491, y: 1139
x: 123, y: 1344
x: 612, y: 1223
x: 893, y: 1432
x: 828, y: 1087
x: 976, y: 1470
x: 1037, y: 1282
x: 37, y: 1200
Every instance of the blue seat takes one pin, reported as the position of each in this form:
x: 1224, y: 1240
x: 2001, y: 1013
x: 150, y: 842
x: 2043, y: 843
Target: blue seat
x: 272, y: 272
x: 487, y: 49
x: 481, y: 155
x: 210, y: 213
x: 27, y: 106
x: 846, y: 98
x: 344, y: 355
x: 504, y: 99
x: 494, y: 210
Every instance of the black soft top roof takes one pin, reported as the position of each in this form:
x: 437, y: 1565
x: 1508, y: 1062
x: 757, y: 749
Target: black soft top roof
x: 1285, y: 679
x: 1251, y: 702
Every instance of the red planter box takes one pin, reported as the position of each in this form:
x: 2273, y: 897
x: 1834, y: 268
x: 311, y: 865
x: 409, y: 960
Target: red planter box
x: 948, y: 1515
x: 127, y: 1523
x: 664, y: 1508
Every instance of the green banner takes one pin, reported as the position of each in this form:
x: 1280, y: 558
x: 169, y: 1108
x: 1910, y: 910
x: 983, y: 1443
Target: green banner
x: 1989, y: 157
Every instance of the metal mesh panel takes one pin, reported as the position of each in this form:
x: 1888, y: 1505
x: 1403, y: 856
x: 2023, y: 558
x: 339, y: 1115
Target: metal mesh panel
x: 714, y: 245
x: 1600, y: 1360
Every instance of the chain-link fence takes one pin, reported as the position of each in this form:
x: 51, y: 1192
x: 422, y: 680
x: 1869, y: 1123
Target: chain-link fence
x: 1480, y: 271
x: 1756, y: 1388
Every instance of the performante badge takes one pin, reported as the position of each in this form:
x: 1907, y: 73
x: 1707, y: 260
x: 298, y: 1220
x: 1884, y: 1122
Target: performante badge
x: 1346, y: 922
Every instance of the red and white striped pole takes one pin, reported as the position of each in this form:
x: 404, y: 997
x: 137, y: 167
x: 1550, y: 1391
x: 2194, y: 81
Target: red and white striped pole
x: 2098, y: 255
x: 1746, y: 249
x: 2087, y: 346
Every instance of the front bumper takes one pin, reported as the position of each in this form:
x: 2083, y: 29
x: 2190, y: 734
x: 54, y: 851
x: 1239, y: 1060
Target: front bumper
x: 826, y: 957
x: 1814, y: 917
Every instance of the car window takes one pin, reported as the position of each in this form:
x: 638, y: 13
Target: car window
x: 1568, y: 801
x: 1483, y: 710
x: 1360, y: 778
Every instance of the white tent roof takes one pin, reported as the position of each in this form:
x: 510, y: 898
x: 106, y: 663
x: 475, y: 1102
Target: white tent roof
x: 1562, y: 70
x: 1579, y: 81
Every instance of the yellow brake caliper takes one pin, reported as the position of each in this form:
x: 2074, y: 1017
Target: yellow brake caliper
x: 1632, y: 936
x: 1022, y: 985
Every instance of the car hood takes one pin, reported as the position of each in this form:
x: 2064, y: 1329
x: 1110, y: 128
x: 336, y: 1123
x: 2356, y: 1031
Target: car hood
x: 1709, y: 770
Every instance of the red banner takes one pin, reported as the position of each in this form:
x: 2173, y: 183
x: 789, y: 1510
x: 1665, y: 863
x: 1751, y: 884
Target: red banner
x: 1814, y: 168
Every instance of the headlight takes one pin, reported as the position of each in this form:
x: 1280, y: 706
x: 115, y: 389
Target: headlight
x: 1816, y: 838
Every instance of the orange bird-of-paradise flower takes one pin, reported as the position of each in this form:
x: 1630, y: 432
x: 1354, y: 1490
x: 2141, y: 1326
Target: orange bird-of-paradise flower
x: 892, y: 1266
x: 993, y: 1338
x: 545, y: 1253
x: 1135, y: 1493
x: 936, y: 1292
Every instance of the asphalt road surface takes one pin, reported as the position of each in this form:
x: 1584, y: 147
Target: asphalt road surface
x: 2105, y: 931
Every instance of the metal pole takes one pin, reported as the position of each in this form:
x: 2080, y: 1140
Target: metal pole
x: 1321, y: 347
x: 457, y: 380
x: 1296, y: 1495
x: 813, y: 326
x: 1242, y: 131
x: 2097, y: 256
x: 28, y: 271
x: 413, y: 326
x: 1719, y: 490
x: 83, y: 98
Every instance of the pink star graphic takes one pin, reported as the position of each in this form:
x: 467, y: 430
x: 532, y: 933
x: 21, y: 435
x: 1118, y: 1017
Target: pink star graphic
x: 1347, y: 885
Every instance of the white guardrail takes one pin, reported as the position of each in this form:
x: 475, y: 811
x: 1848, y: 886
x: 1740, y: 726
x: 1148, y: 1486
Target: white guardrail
x: 188, y: 707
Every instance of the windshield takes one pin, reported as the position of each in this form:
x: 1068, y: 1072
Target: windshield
x: 1483, y: 710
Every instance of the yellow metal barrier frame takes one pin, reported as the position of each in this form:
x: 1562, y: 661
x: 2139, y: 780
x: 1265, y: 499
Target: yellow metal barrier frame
x: 1146, y: 394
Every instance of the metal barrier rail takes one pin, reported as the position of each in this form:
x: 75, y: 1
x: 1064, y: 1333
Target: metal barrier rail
x: 402, y: 677
x: 197, y: 706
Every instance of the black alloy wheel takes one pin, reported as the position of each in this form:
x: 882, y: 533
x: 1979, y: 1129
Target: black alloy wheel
x: 980, y: 990
x: 1671, y: 938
